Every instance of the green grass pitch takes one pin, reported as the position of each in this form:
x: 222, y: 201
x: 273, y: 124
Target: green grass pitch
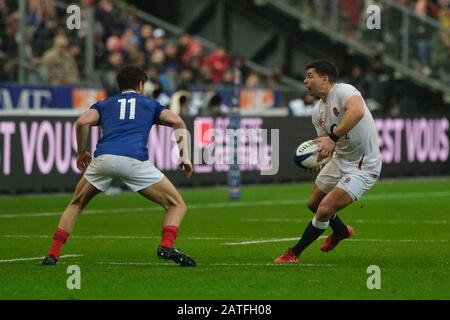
x: 401, y: 226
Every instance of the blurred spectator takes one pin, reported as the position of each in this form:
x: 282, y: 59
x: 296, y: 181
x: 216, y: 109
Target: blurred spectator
x: 218, y: 61
x: 357, y: 79
x: 199, y: 71
x: 253, y: 80
x: 112, y: 67
x: 130, y: 40
x: 158, y: 60
x: 155, y: 90
x: 160, y: 38
x: 238, y: 62
x: 132, y: 23
x: 441, y: 44
x: 275, y: 77
x: 46, y: 31
x: 379, y: 85
x: 185, y: 79
x: 9, y: 45
x: 115, y: 43
x: 227, y: 78
x: 183, y: 43
x: 149, y: 47
x: 422, y: 34
x: 146, y: 32
x: 136, y: 57
x: 351, y: 10
x: 35, y: 13
x: 171, y: 52
x: 193, y: 51
x: 109, y: 17
x: 59, y: 63
x: 302, y: 107
x: 206, y: 75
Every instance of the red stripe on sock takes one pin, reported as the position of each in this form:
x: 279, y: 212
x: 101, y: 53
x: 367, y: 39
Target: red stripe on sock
x: 59, y: 238
x: 169, y: 234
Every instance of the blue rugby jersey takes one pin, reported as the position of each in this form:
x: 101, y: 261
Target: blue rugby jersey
x: 126, y: 120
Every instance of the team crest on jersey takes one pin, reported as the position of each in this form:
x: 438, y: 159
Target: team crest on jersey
x: 335, y: 111
x: 347, y: 180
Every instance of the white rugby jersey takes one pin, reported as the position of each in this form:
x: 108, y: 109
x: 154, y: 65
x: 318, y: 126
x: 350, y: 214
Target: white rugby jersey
x: 360, y: 144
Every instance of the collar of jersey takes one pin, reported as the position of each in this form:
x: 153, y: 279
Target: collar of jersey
x: 130, y: 91
x: 329, y: 92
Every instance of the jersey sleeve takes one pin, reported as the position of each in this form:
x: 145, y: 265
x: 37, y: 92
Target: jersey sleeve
x: 158, y: 109
x: 95, y: 106
x: 346, y: 93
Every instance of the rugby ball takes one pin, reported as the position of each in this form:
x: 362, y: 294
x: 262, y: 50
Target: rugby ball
x: 305, y: 156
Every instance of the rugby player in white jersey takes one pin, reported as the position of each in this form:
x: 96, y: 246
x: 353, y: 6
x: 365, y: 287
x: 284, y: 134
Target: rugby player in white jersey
x: 348, y: 136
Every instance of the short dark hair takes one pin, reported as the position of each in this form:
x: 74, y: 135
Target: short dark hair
x: 324, y: 68
x: 130, y: 76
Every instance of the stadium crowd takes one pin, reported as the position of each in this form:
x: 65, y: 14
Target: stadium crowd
x: 430, y: 49
x: 120, y: 37
x: 176, y: 63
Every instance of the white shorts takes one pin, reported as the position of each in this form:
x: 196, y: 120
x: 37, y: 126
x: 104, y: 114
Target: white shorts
x: 135, y: 174
x: 347, y: 176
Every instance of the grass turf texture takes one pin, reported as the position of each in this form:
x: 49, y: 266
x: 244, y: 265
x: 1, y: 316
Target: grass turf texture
x: 403, y: 227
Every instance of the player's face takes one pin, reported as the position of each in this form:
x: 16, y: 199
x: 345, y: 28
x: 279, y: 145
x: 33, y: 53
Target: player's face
x: 314, y: 82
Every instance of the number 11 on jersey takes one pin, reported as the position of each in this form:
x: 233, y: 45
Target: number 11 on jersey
x: 123, y: 107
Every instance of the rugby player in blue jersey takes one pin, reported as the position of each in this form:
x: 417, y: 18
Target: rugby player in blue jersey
x: 121, y: 153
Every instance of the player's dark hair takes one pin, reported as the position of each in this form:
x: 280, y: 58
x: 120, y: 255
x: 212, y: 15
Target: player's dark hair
x: 324, y: 68
x: 130, y: 76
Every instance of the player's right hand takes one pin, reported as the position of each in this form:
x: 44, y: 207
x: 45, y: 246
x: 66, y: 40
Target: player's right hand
x: 187, y: 167
x: 83, y: 160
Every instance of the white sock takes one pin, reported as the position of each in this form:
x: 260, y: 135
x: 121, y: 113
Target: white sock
x: 319, y: 224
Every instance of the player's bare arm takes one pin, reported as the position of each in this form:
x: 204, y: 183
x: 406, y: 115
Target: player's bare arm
x: 353, y: 113
x: 82, y: 125
x: 173, y: 120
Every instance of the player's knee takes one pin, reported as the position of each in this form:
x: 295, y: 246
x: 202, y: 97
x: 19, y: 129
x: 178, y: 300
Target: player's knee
x: 182, y: 205
x: 325, y: 212
x: 178, y: 203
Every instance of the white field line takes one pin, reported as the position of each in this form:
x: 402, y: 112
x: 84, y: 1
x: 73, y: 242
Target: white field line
x: 224, y: 264
x: 38, y: 258
x: 38, y: 236
x: 415, y: 221
x: 243, y: 243
x: 236, y: 241
x: 393, y: 196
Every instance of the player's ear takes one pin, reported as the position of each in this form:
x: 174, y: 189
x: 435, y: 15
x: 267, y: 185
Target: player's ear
x: 141, y: 87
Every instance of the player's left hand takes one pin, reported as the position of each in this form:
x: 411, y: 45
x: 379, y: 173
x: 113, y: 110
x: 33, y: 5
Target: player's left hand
x: 325, y: 149
x: 187, y: 167
x: 83, y: 160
